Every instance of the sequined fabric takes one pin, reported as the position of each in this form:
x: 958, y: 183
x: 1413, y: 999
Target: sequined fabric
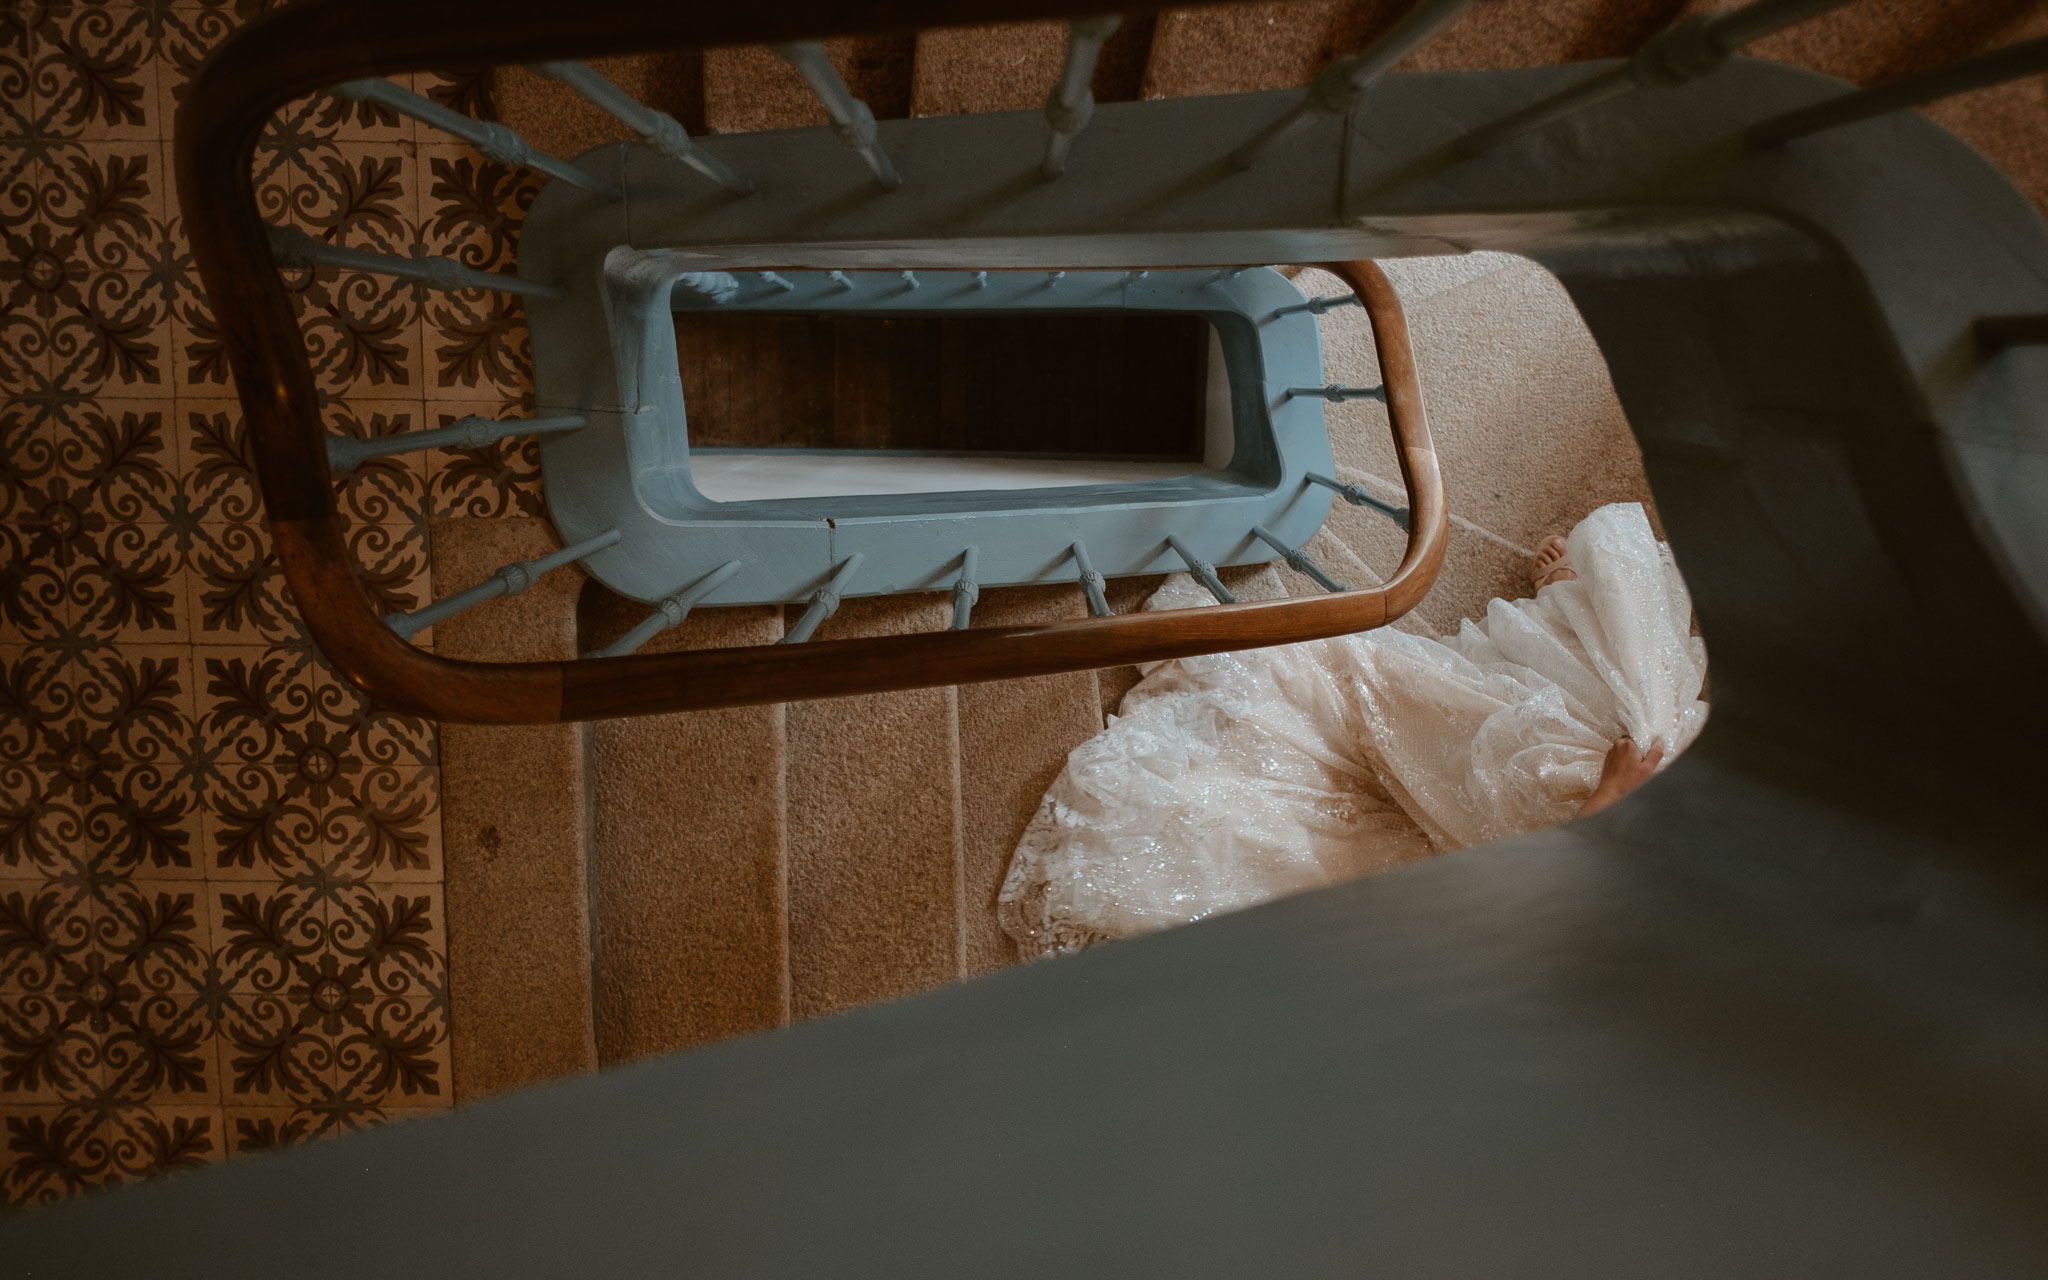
x: 1230, y: 779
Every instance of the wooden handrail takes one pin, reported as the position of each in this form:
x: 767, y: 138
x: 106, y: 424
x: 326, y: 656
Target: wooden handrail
x: 269, y: 63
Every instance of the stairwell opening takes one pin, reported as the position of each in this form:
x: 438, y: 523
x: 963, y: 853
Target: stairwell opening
x: 840, y: 404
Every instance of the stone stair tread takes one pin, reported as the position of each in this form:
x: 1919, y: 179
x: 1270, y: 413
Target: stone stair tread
x: 747, y: 87
x: 515, y: 819
x: 690, y: 883
x: 874, y: 829
x: 561, y: 122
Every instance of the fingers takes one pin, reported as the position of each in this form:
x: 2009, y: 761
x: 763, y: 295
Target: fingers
x: 1654, y: 755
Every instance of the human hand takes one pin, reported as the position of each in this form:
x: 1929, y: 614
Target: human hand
x: 1624, y: 769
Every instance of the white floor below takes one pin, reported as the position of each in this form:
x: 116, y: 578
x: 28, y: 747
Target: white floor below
x: 787, y: 473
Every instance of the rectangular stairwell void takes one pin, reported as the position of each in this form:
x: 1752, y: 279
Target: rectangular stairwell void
x: 821, y: 405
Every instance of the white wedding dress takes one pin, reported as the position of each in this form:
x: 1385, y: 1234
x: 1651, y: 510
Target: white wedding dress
x: 1234, y: 778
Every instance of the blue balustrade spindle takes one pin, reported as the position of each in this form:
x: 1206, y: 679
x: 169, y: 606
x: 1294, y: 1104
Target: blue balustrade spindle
x: 657, y: 129
x: 1338, y: 394
x: 824, y: 601
x: 1342, y: 84
x: 1688, y: 50
x: 494, y: 140
x: 291, y: 247
x: 508, y: 581
x: 1359, y: 497
x: 346, y: 453
x: 1202, y: 571
x: 1297, y: 559
x: 1091, y: 582
x: 1071, y: 104
x: 965, y: 590
x: 851, y: 119
x: 669, y: 613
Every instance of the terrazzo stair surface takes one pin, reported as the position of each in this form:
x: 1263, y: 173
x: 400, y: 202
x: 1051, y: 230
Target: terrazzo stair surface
x: 689, y: 889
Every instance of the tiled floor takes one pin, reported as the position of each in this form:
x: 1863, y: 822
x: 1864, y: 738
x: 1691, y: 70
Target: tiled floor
x: 221, y: 923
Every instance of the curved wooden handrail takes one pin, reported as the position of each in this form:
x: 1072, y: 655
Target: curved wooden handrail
x: 278, y: 57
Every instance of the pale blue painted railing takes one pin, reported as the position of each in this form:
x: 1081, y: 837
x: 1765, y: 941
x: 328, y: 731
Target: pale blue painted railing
x: 1072, y: 104
x: 508, y: 581
x: 494, y: 140
x: 1686, y: 52
x: 669, y: 613
x: 851, y: 118
x: 657, y: 129
x: 346, y: 453
x: 824, y: 601
x: 294, y: 248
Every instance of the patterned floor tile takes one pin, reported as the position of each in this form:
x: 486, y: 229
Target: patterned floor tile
x: 114, y: 339
x: 217, y: 461
x: 386, y: 825
x: 491, y: 481
x: 364, y: 196
x: 477, y: 348
x: 237, y: 587
x: 132, y: 588
x: 220, y: 919
x: 49, y: 1152
x: 256, y: 1130
x: 99, y: 67
x: 471, y: 208
x: 121, y: 457
x: 387, y: 972
x: 390, y: 490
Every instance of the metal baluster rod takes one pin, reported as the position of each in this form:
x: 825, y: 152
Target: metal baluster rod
x: 706, y: 286
x: 851, y: 119
x: 1053, y: 278
x: 294, y: 248
x: 965, y: 590
x: 1229, y: 274
x: 1317, y: 306
x: 657, y: 129
x: 981, y: 279
x: 346, y: 453
x: 777, y: 281
x: 1359, y: 497
x: 1091, y: 581
x: 839, y: 278
x: 508, y: 581
x: 1071, y: 104
x: 824, y: 601
x: 669, y: 613
x: 1342, y: 84
x: 1297, y: 560
x: 1203, y: 571
x: 2029, y: 57
x: 1337, y: 395
x: 1681, y: 53
x: 909, y: 279
x: 494, y: 140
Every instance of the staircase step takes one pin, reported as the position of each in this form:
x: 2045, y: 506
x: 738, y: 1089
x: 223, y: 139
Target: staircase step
x: 1242, y: 48
x: 1014, y: 738
x: 690, y: 884
x: 874, y: 829
x: 561, y: 122
x: 516, y: 822
x: 1009, y: 66
x: 747, y: 87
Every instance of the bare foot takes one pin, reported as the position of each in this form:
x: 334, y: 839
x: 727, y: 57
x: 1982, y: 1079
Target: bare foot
x: 1621, y: 772
x: 1553, y: 563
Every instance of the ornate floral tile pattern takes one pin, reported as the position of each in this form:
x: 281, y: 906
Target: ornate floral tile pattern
x: 221, y: 923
